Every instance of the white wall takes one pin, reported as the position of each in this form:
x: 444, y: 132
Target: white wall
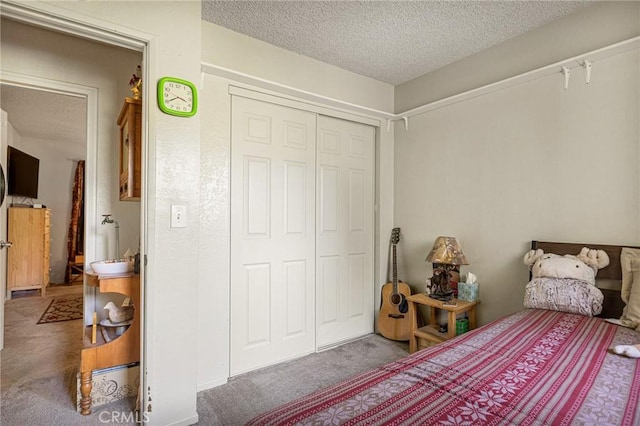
x: 530, y: 162
x: 231, y: 50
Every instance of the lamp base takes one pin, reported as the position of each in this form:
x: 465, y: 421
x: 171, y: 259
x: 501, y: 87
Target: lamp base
x: 445, y: 297
x: 440, y: 288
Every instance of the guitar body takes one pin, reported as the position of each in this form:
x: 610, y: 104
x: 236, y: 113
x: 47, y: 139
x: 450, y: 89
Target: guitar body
x: 392, y: 322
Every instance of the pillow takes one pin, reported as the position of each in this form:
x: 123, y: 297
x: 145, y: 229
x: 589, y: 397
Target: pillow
x: 563, y: 294
x: 630, y: 293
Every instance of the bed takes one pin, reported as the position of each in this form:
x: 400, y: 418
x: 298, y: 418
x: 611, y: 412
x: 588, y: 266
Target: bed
x: 534, y: 367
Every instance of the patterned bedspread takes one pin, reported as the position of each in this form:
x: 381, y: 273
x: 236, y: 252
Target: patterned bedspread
x: 535, y: 367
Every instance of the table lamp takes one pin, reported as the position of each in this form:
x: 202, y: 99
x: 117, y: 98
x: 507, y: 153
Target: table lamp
x: 445, y: 255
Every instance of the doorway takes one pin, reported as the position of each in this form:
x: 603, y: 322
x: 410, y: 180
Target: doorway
x: 99, y: 149
x: 38, y: 122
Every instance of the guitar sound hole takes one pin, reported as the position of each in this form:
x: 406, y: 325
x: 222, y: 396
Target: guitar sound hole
x: 396, y: 298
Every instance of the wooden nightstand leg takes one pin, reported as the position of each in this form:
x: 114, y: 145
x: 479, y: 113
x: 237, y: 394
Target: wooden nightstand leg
x: 451, y: 328
x: 85, y: 392
x: 433, y: 320
x: 472, y: 318
x: 413, y: 340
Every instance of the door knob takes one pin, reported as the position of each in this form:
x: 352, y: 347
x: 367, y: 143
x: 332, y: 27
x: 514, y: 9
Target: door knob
x: 4, y: 244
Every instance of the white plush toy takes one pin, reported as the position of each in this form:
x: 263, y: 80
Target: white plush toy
x: 581, y: 267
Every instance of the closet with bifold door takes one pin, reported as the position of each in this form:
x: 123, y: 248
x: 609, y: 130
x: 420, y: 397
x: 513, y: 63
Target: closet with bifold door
x: 302, y: 232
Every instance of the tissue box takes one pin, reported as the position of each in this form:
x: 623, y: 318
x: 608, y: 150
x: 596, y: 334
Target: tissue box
x: 468, y: 292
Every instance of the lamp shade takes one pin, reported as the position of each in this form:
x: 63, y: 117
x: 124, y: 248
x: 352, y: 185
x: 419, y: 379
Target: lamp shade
x: 448, y: 251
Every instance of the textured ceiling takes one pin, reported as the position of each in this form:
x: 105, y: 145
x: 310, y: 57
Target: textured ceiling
x: 45, y: 115
x: 390, y: 41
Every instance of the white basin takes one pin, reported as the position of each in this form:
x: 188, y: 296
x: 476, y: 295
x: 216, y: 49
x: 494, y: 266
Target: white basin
x: 110, y: 267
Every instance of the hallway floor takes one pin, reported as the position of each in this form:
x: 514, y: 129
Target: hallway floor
x: 39, y: 365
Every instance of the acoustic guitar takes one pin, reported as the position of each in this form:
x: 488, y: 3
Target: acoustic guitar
x: 394, y: 320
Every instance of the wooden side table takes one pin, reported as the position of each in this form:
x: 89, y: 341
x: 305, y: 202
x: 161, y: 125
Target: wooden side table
x: 430, y: 331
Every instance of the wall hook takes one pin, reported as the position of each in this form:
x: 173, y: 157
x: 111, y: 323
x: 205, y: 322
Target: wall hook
x: 406, y: 123
x: 567, y: 73
x: 587, y: 70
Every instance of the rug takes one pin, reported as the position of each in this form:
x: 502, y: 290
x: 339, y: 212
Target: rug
x: 63, y: 309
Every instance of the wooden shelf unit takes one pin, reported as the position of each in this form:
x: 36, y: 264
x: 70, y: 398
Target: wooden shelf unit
x: 130, y: 147
x: 430, y: 332
x: 29, y: 230
x: 122, y: 350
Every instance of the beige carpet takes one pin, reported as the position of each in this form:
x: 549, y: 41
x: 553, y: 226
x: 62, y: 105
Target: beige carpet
x: 39, y: 364
x: 250, y: 394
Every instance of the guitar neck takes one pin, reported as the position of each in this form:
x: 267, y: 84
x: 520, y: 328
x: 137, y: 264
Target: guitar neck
x: 395, y: 271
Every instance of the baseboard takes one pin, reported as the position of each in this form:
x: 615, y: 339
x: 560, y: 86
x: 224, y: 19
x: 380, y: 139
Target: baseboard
x: 209, y: 384
x: 341, y: 342
x: 185, y: 422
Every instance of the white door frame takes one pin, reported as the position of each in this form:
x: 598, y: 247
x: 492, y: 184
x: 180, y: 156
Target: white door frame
x: 4, y: 126
x: 90, y: 94
x: 49, y: 16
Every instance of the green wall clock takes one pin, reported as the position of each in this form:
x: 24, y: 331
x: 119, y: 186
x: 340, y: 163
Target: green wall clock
x: 177, y: 97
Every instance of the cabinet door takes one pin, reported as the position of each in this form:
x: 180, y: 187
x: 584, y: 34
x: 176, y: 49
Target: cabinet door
x: 130, y: 147
x: 125, y: 160
x: 25, y: 262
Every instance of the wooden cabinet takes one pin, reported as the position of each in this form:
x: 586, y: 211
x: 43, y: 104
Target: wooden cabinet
x: 122, y: 350
x: 28, y: 257
x: 130, y: 147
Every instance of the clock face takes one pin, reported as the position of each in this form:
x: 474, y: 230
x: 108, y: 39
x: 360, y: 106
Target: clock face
x: 177, y: 97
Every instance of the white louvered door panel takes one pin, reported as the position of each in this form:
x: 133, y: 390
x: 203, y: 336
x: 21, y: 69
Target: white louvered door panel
x: 345, y: 233
x: 272, y: 234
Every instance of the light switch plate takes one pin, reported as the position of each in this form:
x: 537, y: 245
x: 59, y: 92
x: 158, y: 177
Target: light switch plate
x: 178, y: 216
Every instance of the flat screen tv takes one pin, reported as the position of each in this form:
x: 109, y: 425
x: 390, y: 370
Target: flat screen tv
x: 22, y: 173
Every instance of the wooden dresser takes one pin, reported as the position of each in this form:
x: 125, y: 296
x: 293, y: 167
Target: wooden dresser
x: 29, y: 230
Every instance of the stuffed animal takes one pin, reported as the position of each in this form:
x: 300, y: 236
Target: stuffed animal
x: 630, y: 351
x: 580, y: 267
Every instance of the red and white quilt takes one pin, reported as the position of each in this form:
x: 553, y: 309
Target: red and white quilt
x: 535, y: 367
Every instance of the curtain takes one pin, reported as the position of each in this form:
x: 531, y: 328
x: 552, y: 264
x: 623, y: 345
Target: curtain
x: 75, y: 238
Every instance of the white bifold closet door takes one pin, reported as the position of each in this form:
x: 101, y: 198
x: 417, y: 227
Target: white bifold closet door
x: 345, y: 233
x: 301, y: 232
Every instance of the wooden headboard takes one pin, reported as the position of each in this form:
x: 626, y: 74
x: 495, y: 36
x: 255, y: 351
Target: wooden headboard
x: 613, y: 304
